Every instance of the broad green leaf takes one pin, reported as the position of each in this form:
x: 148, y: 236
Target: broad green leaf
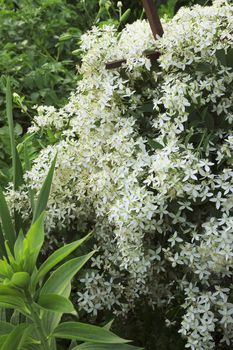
x: 33, y: 242
x: 86, y: 332
x: 58, y: 256
x: 5, y: 328
x: 90, y: 346
x: 5, y: 269
x: 51, y: 319
x: 20, y: 279
x: 18, y: 247
x: 12, y: 302
x: 7, y: 225
x: 61, y: 278
x: 42, y: 199
x: 8, y: 290
x: 16, y: 338
x: 56, y: 303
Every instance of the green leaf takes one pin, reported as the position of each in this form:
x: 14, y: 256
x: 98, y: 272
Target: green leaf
x: 16, y: 338
x: 52, y: 319
x: 16, y: 163
x: 20, y: 280
x: 42, y: 200
x: 154, y: 144
x: 56, y: 303
x: 33, y: 242
x: 7, y: 224
x: 18, y: 247
x: 12, y: 302
x: 86, y: 332
x: 90, y: 346
x: 58, y: 256
x: 125, y: 16
x: 28, y: 167
x: 5, y: 328
x: 61, y: 278
x: 2, y: 244
x: 8, y: 290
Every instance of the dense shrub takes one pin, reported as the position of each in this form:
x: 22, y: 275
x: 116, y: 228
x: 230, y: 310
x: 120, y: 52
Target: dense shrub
x: 145, y: 158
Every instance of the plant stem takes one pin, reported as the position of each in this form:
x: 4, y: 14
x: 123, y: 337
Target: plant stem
x: 39, y: 326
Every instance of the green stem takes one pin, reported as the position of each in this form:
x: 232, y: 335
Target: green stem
x: 40, y: 331
x: 39, y: 326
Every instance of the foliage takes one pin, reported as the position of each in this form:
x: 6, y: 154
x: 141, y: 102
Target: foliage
x: 145, y: 157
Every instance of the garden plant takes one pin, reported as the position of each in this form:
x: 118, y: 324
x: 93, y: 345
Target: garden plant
x: 144, y: 161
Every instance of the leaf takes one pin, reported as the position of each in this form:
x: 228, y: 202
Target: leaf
x: 42, y: 199
x: 154, y: 144
x: 7, y: 224
x: 5, y: 328
x: 8, y: 290
x: 16, y: 338
x: 20, y: 280
x: 58, y: 256
x: 56, y: 303
x: 28, y: 167
x: 125, y: 16
x: 2, y: 245
x: 33, y: 242
x: 61, y: 278
x: 90, y: 346
x: 16, y: 163
x: 51, y: 319
x: 86, y: 332
x: 12, y: 302
x: 18, y: 247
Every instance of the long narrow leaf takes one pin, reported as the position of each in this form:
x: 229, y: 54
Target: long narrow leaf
x: 28, y: 167
x: 61, y: 278
x: 16, y: 338
x: 16, y: 163
x: 90, y: 346
x: 7, y: 225
x: 58, y: 256
x: 2, y: 245
x: 43, y: 197
x: 86, y: 332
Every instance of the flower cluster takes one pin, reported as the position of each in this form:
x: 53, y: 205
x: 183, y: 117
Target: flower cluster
x: 145, y: 159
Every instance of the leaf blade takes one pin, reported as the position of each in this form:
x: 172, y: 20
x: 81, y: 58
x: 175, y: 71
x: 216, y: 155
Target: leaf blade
x: 43, y: 196
x: 85, y: 332
x: 60, y: 278
x: 58, y: 256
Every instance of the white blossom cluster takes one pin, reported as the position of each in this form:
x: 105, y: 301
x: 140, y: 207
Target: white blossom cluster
x: 145, y: 158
